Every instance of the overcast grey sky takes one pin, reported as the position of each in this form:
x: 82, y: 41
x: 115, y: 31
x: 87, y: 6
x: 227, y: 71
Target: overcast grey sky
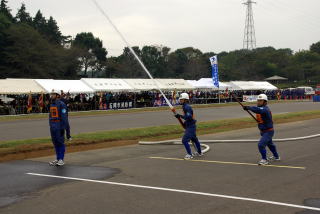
x: 210, y: 25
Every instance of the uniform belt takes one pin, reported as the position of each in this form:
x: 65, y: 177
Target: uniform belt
x: 267, y: 130
x: 55, y: 120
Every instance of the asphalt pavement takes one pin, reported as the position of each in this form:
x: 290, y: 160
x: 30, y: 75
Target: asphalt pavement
x: 228, y: 170
x: 27, y: 129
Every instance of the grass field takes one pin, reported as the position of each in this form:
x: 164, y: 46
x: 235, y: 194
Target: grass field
x: 104, y: 139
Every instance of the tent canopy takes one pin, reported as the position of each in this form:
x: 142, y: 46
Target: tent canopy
x: 107, y: 85
x: 207, y: 83
x: 143, y: 84
x: 164, y: 84
x: 253, y: 85
x: 91, y: 85
x: 20, y: 86
x: 194, y: 83
x: 175, y: 84
x: 275, y: 78
x: 71, y: 86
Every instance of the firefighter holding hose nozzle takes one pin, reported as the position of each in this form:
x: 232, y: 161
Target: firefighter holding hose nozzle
x: 265, y: 125
x: 190, y: 127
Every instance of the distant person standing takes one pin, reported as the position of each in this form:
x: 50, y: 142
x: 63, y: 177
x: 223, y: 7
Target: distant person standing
x: 278, y: 95
x: 57, y: 122
x: 65, y: 100
x: 174, y: 98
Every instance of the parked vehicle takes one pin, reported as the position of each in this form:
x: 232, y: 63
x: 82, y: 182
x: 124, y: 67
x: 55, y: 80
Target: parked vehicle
x: 307, y: 90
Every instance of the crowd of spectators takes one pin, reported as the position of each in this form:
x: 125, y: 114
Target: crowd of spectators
x: 17, y: 104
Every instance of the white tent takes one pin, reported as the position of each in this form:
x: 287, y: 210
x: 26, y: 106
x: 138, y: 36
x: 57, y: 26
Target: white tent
x: 107, y: 85
x: 143, y: 84
x: 226, y: 85
x: 253, y: 85
x: 207, y: 83
x: 266, y: 85
x: 20, y: 86
x: 175, y: 84
x: 164, y: 84
x: 71, y: 86
x: 194, y: 83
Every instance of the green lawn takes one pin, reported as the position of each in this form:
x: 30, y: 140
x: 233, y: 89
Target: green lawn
x: 157, y: 132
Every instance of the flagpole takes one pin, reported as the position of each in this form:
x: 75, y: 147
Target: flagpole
x: 215, y: 74
x: 219, y: 93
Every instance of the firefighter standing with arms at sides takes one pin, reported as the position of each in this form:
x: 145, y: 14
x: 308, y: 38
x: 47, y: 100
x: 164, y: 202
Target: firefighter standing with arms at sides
x: 57, y: 123
x: 190, y: 127
x: 265, y: 125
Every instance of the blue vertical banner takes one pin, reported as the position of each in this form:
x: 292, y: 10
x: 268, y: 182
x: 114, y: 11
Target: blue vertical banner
x: 215, y: 72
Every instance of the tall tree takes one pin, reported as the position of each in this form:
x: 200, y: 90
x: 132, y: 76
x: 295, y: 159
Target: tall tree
x: 197, y: 65
x: 129, y: 67
x: 4, y: 9
x: 53, y: 32
x: 92, y: 54
x: 28, y: 54
x: 315, y: 47
x: 23, y: 16
x: 112, y: 69
x: 155, y: 58
x: 4, y: 25
x: 187, y: 63
x: 177, y: 62
x: 40, y: 23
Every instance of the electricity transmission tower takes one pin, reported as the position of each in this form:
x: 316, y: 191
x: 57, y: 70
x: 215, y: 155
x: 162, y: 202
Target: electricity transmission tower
x: 249, y: 41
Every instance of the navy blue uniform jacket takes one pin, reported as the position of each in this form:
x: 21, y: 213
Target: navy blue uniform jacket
x: 264, y: 117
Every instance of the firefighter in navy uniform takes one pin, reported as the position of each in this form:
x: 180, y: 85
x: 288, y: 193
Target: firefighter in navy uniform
x: 57, y: 122
x: 265, y: 125
x: 190, y: 127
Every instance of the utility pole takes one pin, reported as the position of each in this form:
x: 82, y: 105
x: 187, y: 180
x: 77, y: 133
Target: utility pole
x: 249, y: 41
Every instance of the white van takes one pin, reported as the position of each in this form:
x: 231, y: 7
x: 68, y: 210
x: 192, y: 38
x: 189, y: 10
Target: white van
x: 307, y: 90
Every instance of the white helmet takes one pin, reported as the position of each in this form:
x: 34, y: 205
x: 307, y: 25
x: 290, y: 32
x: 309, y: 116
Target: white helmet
x: 56, y: 92
x: 262, y: 97
x: 184, y: 96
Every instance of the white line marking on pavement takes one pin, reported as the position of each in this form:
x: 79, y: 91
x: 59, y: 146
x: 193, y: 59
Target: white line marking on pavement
x: 232, y: 163
x: 180, y: 191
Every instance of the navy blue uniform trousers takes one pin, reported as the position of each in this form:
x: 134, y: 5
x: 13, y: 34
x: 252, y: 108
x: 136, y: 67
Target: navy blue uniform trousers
x: 190, y: 134
x: 57, y: 136
x: 266, y: 141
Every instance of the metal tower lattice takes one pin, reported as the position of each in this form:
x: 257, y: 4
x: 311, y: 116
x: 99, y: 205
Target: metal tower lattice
x: 249, y: 41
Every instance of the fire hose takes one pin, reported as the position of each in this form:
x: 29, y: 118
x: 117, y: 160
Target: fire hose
x: 207, y: 148
x: 174, y: 142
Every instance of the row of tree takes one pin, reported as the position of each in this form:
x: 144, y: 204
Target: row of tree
x: 34, y: 47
